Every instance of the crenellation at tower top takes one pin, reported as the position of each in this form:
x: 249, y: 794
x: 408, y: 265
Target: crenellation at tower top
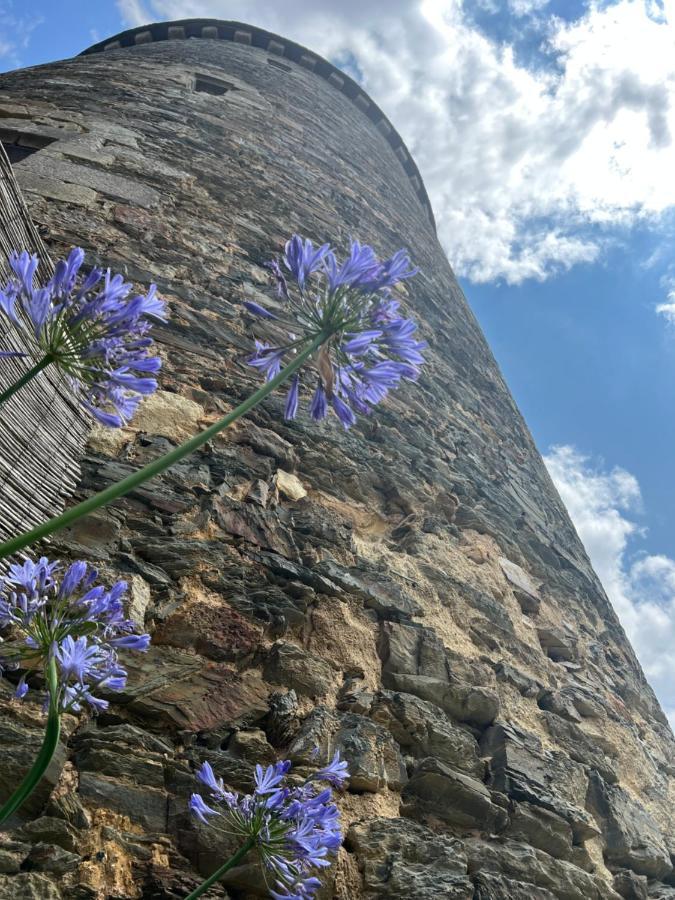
x: 215, y: 29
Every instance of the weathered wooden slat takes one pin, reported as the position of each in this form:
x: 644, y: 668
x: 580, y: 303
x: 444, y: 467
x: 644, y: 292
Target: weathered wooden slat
x: 42, y: 430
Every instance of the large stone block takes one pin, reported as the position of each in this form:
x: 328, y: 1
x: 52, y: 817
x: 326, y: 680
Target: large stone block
x: 411, y: 650
x: 401, y: 860
x: 525, y: 589
x: 423, y: 729
x: 521, y: 768
x: 541, y: 828
x: 489, y: 886
x: 28, y: 886
x: 466, y: 703
x: 20, y: 738
x: 143, y: 805
x: 527, y: 866
x: 632, y: 837
x: 631, y: 886
x: 294, y: 667
x: 175, y: 689
x: 390, y: 600
x: 436, y: 791
x: 373, y: 756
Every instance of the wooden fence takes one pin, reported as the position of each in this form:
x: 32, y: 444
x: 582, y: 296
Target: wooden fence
x: 42, y: 430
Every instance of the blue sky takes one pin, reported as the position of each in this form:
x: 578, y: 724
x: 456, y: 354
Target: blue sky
x: 544, y: 131
x: 592, y: 365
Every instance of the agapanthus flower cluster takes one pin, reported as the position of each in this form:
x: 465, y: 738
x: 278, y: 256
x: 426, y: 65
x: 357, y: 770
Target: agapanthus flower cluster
x: 48, y: 612
x: 91, y: 329
x: 296, y: 828
x: 370, y: 346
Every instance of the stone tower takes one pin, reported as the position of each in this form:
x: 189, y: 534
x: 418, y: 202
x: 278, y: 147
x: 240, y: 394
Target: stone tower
x: 411, y: 592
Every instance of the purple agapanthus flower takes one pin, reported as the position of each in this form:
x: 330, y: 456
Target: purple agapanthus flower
x: 296, y: 828
x: 89, y: 326
x: 369, y: 345
x: 335, y: 773
x: 48, y: 613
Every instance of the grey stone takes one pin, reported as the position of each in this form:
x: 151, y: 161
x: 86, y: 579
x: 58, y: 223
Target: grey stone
x: 50, y: 830
x: 282, y: 722
x: 423, y: 729
x: 527, y: 865
x: 587, y: 704
x: 401, y: 860
x: 389, y: 599
x: 50, y: 858
x: 632, y: 838
x: 102, y: 182
x: 139, y: 599
x: 19, y: 742
x: 124, y: 737
x: 482, y: 602
x: 526, y: 772
x: 146, y: 806
x: 411, y: 650
x: 251, y: 745
x: 475, y: 705
x: 582, y: 858
x: 373, y: 756
x: 498, y: 887
x: 556, y: 702
x: 54, y: 189
x: 303, y: 672
x: 523, y: 586
x: 558, y: 644
x: 581, y: 748
x: 356, y: 701
x: 526, y: 686
x: 631, y: 886
x: 28, y: 886
x: 541, y: 828
x: 12, y: 854
x: 67, y: 807
x: 437, y: 791
x: 119, y: 763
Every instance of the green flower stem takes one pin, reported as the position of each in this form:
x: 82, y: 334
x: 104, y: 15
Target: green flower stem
x: 218, y: 874
x: 115, y: 491
x: 44, y: 757
x: 29, y: 376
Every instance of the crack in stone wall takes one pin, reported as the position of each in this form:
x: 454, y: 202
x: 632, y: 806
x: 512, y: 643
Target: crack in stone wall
x: 412, y: 591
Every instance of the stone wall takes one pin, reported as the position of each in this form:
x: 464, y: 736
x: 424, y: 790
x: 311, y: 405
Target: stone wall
x: 411, y: 592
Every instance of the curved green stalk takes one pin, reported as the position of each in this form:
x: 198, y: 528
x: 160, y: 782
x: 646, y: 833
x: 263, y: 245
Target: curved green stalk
x: 115, y: 491
x: 44, y: 757
x: 218, y: 874
x: 29, y: 376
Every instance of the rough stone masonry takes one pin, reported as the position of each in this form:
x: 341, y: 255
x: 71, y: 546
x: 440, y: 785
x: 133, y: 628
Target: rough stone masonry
x: 411, y: 592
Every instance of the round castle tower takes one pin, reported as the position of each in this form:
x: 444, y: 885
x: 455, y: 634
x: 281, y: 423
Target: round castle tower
x: 411, y: 592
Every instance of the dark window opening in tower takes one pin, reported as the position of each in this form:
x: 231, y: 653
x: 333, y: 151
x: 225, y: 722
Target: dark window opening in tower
x: 18, y: 146
x: 207, y: 85
x: 279, y: 65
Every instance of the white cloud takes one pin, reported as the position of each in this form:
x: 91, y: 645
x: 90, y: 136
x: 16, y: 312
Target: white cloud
x: 16, y: 30
x: 526, y: 7
x: 667, y: 309
x: 530, y: 169
x: 641, y: 587
x: 134, y: 13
